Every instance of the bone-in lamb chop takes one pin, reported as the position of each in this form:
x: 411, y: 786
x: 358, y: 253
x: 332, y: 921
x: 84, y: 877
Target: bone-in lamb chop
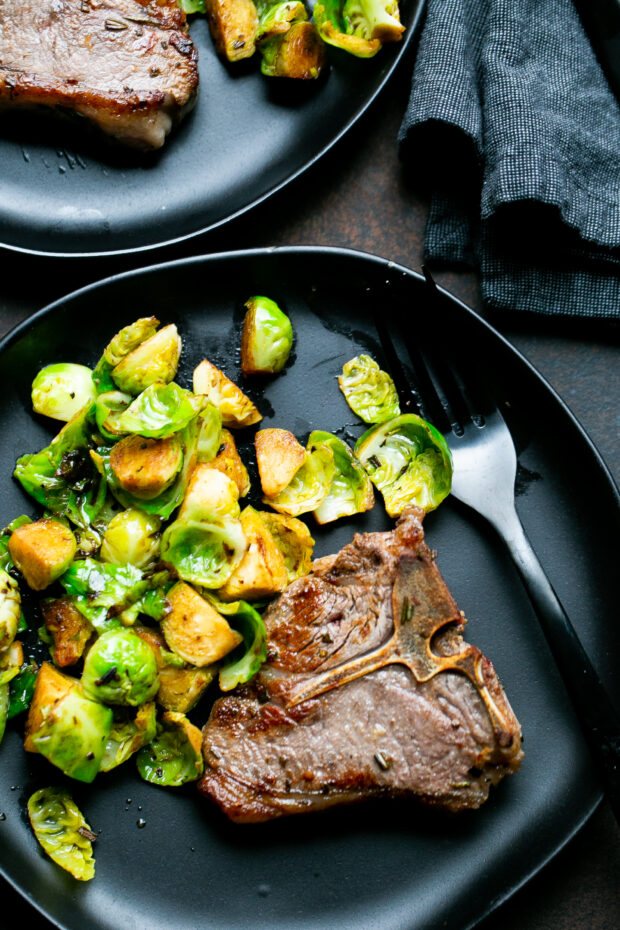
x: 128, y: 66
x: 369, y: 691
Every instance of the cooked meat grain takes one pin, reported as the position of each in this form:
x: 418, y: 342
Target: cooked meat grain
x: 128, y: 66
x: 354, y: 703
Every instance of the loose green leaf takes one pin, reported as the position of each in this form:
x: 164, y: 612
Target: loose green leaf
x: 62, y: 831
x: 246, y: 659
x: 369, y: 391
x: 174, y: 757
x: 159, y: 411
x: 351, y: 490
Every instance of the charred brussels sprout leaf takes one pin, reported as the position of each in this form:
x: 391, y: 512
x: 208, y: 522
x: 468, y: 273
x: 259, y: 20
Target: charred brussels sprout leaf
x: 131, y: 537
x: 128, y: 736
x: 244, y: 662
x: 61, y: 390
x: 369, y: 391
x: 267, y: 334
x: 120, y: 668
x: 309, y: 486
x: 174, y: 757
x: 62, y: 831
x: 159, y: 411
x: 62, y: 477
x: 409, y: 461
x: 351, y: 490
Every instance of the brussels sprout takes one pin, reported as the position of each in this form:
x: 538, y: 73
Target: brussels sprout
x: 174, y: 757
x: 206, y: 542
x: 299, y: 53
x: 267, y: 336
x: 294, y: 541
x: 310, y: 484
x: 65, y: 726
x: 42, y: 551
x: 60, y: 391
x: 101, y: 591
x: 128, y: 736
x: 155, y: 359
x: 62, y: 476
x: 125, y: 341
x: 369, y: 391
x: 229, y: 462
x: 210, y: 424
x: 62, y: 831
x: 159, y: 411
x: 248, y: 657
x: 278, y: 456
x: 120, y: 668
x: 351, y: 490
x: 10, y: 609
x: 194, y: 629
x: 261, y: 572
x: 409, y: 461
x: 69, y: 629
x: 237, y: 410
x: 132, y: 536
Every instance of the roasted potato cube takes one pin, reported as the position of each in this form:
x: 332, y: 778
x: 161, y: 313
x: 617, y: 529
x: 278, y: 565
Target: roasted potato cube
x: 228, y: 461
x: 69, y: 628
x: 50, y: 688
x: 180, y: 689
x: 194, y: 629
x: 146, y: 467
x: 234, y: 26
x: 279, y: 457
x: 294, y: 541
x: 262, y: 570
x: 42, y: 551
x: 237, y: 410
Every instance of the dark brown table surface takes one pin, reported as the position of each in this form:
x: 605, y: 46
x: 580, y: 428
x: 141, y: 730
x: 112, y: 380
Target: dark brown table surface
x: 359, y: 197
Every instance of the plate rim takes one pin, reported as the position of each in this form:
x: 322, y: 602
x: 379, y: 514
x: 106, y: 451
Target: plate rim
x: 17, y: 331
x: 401, y: 56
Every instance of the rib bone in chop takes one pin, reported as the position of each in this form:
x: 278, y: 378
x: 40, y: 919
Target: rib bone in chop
x: 128, y: 66
x: 369, y: 691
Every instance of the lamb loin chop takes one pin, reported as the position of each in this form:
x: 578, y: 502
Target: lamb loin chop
x: 369, y: 690
x: 128, y: 66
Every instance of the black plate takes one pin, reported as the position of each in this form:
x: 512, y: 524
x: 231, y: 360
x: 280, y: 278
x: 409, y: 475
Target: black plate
x: 380, y: 866
x: 64, y: 194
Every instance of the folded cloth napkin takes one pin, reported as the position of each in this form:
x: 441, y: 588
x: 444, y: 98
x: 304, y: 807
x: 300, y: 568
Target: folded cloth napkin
x: 513, y: 123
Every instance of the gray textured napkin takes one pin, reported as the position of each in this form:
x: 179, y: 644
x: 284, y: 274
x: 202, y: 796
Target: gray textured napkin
x: 513, y: 123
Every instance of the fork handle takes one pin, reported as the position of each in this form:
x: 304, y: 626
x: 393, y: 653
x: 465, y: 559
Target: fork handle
x: 596, y: 713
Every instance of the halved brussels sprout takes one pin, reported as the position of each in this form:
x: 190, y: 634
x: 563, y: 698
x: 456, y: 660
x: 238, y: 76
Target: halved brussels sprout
x: 62, y: 831
x: 131, y: 536
x: 409, y: 461
x: 159, y: 411
x: 194, y: 629
x: 174, y: 757
x: 237, y: 410
x: 62, y: 477
x: 120, y: 668
x: 267, y: 336
x: 206, y: 541
x: 279, y: 457
x: 145, y: 468
x: 369, y: 391
x: 65, y: 726
x: 294, y: 541
x: 61, y: 390
x: 210, y: 424
x: 298, y: 53
x: 351, y: 490
x: 42, y: 551
x: 10, y: 609
x: 310, y: 484
x: 128, y: 736
x: 248, y: 657
x: 124, y: 342
x: 155, y: 359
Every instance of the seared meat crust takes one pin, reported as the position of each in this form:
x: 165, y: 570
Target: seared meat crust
x: 375, y: 724
x: 128, y: 66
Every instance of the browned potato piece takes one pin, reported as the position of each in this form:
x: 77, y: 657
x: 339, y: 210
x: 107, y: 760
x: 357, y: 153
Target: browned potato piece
x: 228, y: 461
x: 236, y: 408
x: 180, y: 689
x: 42, y: 551
x: 50, y: 688
x: 69, y: 628
x: 279, y: 457
x: 194, y: 629
x: 146, y: 467
x: 234, y: 25
x: 262, y: 571
x: 300, y: 53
